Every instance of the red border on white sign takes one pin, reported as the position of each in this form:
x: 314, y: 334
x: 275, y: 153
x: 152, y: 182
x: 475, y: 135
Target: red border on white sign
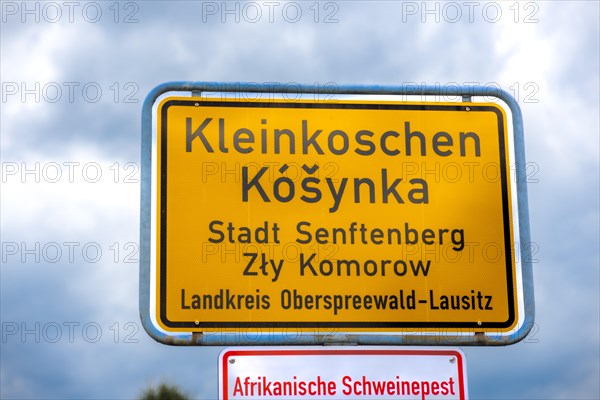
x: 448, y: 361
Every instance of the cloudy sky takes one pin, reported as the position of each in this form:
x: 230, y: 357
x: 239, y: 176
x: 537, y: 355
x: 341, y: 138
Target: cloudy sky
x: 74, y: 76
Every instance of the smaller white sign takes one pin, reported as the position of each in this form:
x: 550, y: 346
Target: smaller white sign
x: 342, y: 372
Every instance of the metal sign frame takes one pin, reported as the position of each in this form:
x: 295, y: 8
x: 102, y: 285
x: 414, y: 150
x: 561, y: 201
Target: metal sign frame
x: 248, y: 336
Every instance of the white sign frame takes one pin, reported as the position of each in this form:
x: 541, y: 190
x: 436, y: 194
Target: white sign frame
x: 336, y: 372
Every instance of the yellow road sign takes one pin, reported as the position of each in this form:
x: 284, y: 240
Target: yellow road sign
x: 359, y: 216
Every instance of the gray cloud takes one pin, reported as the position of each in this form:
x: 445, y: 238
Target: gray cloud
x: 372, y: 42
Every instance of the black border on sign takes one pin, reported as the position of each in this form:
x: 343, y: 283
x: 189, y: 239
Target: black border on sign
x: 323, y: 324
